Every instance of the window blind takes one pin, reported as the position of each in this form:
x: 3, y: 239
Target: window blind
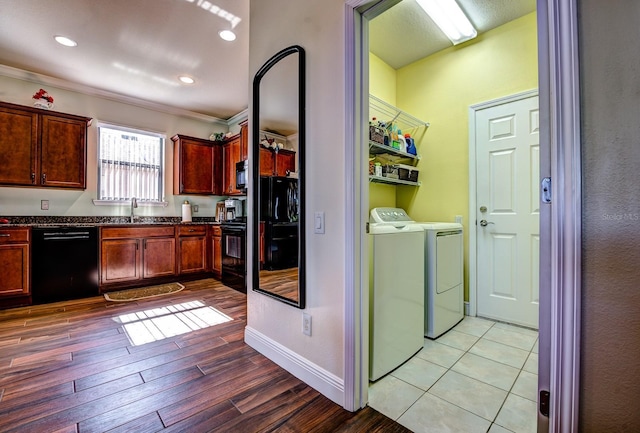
x: 130, y: 165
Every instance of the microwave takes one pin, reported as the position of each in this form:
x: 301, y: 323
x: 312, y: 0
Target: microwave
x: 242, y: 172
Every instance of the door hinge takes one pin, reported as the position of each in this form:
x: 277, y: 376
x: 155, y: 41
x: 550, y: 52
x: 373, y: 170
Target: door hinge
x: 544, y: 403
x: 545, y: 190
x: 367, y: 227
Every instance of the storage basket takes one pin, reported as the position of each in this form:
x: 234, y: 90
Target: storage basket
x: 390, y: 171
x: 376, y: 134
x: 407, y: 172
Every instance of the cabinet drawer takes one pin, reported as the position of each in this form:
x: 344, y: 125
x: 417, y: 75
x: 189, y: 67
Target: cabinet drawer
x: 136, y: 232
x: 215, y: 230
x: 192, y: 230
x: 13, y: 235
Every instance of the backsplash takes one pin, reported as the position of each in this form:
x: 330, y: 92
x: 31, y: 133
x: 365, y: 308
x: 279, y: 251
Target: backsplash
x: 36, y: 220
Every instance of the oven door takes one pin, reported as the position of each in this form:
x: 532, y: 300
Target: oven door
x: 234, y: 254
x: 241, y: 174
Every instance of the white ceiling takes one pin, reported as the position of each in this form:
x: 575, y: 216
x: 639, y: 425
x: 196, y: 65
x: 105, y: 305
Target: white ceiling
x: 405, y: 33
x: 138, y: 48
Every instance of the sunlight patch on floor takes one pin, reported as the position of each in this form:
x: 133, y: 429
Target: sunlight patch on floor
x: 146, y: 326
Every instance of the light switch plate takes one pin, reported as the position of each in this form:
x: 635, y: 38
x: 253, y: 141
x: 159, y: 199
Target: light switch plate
x: 44, y: 204
x: 318, y: 223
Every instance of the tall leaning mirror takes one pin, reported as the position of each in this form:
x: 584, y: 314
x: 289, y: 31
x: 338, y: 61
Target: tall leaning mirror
x: 278, y: 131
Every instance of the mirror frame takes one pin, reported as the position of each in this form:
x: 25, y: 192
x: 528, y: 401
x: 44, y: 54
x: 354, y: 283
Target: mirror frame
x: 255, y: 184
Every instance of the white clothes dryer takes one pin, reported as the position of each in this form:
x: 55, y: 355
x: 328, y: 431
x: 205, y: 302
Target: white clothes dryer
x: 444, y: 277
x: 396, y: 290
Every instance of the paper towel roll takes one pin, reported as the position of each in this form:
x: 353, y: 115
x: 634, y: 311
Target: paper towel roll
x: 186, y: 212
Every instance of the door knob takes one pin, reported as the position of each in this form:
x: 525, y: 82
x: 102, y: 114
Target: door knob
x: 485, y: 223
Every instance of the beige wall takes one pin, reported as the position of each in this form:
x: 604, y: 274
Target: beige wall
x: 317, y: 26
x: 26, y: 201
x: 610, y: 104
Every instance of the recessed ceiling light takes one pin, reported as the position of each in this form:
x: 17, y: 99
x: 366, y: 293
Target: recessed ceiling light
x: 227, y: 35
x: 63, y: 40
x: 186, y: 79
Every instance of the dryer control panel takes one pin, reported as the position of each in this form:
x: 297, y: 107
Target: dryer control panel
x: 389, y: 215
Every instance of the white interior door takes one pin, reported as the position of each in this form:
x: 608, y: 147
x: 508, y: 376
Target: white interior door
x: 507, y: 211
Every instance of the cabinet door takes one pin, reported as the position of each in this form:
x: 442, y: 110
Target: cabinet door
x: 244, y: 140
x: 63, y: 153
x: 197, y: 167
x: 192, y: 253
x: 18, y: 144
x: 159, y: 258
x: 120, y: 260
x: 234, y: 155
x: 267, y: 163
x: 14, y: 278
x: 217, y: 255
x: 285, y: 162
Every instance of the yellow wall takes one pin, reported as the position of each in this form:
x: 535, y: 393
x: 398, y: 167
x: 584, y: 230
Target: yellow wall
x: 439, y: 89
x: 382, y: 83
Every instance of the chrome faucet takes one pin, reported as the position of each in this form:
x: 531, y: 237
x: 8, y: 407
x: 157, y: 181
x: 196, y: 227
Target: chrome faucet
x: 134, y: 204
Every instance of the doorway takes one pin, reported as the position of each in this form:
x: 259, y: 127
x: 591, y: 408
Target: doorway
x: 560, y: 161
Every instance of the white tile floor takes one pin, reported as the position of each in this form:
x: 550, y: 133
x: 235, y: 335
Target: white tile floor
x: 480, y: 376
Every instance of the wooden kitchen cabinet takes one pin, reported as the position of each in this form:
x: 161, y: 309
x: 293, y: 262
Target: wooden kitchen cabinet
x: 215, y: 249
x: 42, y: 148
x: 279, y: 163
x: 14, y: 256
x: 192, y: 249
x: 235, y: 150
x: 197, y: 166
x: 131, y: 254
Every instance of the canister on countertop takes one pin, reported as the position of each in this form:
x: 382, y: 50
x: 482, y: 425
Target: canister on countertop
x: 186, y: 212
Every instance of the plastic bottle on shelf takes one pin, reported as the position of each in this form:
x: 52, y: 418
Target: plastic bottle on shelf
x: 411, y: 145
x: 403, y: 142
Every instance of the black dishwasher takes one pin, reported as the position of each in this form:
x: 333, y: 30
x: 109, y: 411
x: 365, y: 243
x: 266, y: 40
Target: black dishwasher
x: 64, y: 263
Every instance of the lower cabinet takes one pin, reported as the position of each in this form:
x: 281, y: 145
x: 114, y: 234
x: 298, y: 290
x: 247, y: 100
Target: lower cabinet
x: 14, y: 256
x: 129, y: 254
x: 192, y: 249
x: 215, y: 250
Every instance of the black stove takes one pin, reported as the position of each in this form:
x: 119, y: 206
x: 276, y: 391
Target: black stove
x: 234, y: 253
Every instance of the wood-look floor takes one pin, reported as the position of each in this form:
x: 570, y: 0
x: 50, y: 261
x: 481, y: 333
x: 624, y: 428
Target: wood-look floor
x: 71, y: 367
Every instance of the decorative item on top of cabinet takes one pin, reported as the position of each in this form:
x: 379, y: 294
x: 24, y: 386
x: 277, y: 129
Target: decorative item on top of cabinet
x: 14, y: 256
x: 192, y: 249
x: 46, y: 148
x: 131, y: 254
x: 389, y: 150
x: 275, y: 160
x: 197, y: 166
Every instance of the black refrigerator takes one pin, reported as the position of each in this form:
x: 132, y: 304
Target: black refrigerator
x: 279, y: 209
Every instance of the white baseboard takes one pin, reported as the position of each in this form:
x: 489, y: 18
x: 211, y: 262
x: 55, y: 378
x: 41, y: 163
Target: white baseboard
x: 318, y: 378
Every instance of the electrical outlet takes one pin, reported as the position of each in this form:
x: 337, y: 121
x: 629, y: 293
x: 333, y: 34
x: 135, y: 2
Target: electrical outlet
x: 44, y: 204
x: 458, y: 219
x: 195, y: 208
x: 306, y: 324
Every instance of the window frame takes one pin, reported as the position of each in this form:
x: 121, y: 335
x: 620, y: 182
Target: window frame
x: 162, y: 171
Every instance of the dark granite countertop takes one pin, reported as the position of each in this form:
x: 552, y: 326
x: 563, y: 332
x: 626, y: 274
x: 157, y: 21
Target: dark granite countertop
x: 100, y: 221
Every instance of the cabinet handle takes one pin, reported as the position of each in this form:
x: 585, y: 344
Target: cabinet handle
x: 33, y: 178
x: 5, y: 235
x: 44, y: 177
x: 191, y: 230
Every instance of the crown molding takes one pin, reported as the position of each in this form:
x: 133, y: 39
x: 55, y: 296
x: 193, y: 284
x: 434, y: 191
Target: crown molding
x: 40, y: 79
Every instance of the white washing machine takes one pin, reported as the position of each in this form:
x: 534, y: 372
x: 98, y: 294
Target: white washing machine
x: 444, y: 277
x: 396, y: 290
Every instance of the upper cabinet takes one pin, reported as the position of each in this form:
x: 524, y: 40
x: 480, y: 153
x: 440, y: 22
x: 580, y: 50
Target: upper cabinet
x: 235, y: 150
x: 42, y: 148
x: 197, y: 166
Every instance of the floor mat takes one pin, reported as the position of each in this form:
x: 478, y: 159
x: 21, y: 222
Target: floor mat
x: 143, y: 292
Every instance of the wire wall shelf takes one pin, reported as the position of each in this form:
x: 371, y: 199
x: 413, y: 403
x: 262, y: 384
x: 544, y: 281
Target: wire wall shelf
x: 385, y: 112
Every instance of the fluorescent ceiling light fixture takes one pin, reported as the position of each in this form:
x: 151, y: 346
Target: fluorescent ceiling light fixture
x: 227, y: 35
x: 63, y: 40
x: 449, y: 17
x: 186, y: 79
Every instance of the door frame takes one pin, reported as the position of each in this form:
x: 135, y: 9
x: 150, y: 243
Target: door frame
x: 472, y: 226
x: 560, y: 286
